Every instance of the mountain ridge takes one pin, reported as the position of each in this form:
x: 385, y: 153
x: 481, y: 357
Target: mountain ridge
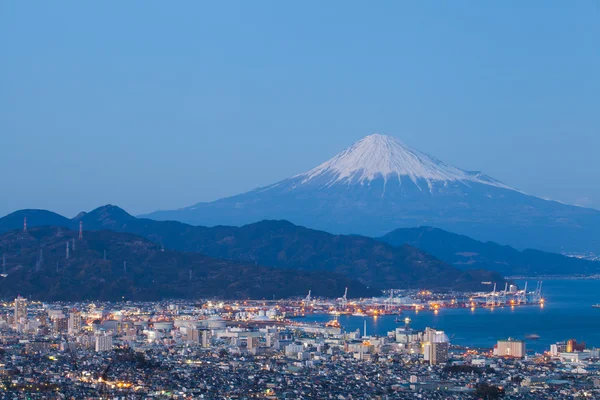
x: 379, y: 184
x: 285, y: 245
x: 108, y: 265
x: 465, y: 252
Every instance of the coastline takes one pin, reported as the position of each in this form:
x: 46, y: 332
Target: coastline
x: 554, y: 277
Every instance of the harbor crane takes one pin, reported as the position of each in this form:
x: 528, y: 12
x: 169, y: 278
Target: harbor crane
x: 389, y: 300
x: 307, y: 300
x: 537, y: 295
x: 344, y: 298
x: 504, y: 294
x: 522, y: 297
x: 491, y: 299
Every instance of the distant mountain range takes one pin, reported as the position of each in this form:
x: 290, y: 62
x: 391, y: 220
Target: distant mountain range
x: 283, y: 245
x: 464, y: 252
x: 380, y: 184
x: 136, y: 269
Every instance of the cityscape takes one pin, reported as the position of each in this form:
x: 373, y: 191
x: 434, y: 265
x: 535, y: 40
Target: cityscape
x: 299, y: 200
x: 264, y: 349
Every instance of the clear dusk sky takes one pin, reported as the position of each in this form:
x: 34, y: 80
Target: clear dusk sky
x: 158, y: 105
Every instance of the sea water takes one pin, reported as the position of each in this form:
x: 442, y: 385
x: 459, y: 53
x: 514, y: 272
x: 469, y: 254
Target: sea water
x: 566, y: 314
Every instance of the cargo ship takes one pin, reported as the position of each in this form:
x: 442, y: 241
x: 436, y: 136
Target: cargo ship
x: 333, y: 324
x: 597, y: 305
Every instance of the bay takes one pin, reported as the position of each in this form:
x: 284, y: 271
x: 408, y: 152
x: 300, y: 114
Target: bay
x: 566, y: 314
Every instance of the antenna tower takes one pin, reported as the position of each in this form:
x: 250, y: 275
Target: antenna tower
x: 80, y: 230
x: 25, y: 224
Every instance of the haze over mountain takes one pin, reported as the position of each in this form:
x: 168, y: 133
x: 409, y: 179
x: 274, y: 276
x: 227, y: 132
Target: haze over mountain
x: 379, y: 184
x: 465, y: 253
x: 286, y: 246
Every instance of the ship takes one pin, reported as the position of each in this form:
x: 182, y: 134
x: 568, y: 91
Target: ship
x: 359, y: 314
x: 597, y: 305
x: 532, y: 336
x: 334, y: 323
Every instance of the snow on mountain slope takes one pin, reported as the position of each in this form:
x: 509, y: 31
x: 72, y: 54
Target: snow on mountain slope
x: 379, y: 184
x: 380, y: 156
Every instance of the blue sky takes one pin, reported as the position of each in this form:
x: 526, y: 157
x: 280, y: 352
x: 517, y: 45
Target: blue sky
x: 158, y: 105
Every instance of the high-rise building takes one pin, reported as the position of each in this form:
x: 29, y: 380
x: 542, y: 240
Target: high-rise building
x: 195, y: 335
x: 252, y: 342
x: 60, y: 324
x: 435, y: 346
x: 43, y: 318
x: 86, y: 341
x: 104, y: 342
x: 439, y: 353
x: 75, y: 322
x: 434, y: 336
x: 510, y: 348
x: 573, y: 346
x: 126, y: 326
x: 206, y: 338
x: 271, y: 337
x: 20, y: 310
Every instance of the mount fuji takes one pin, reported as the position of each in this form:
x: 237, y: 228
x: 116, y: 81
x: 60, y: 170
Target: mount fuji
x: 379, y: 184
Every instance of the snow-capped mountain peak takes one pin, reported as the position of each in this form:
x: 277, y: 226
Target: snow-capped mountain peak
x: 380, y: 156
x: 379, y: 184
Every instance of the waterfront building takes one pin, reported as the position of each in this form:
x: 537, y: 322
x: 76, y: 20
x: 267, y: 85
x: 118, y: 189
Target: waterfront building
x: 510, y: 348
x: 573, y: 346
x: 439, y: 353
x: 434, y: 336
x: 406, y: 335
x: 575, y: 356
x: 557, y: 348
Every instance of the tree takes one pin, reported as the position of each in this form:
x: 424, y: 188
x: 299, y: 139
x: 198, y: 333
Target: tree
x: 488, y: 392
